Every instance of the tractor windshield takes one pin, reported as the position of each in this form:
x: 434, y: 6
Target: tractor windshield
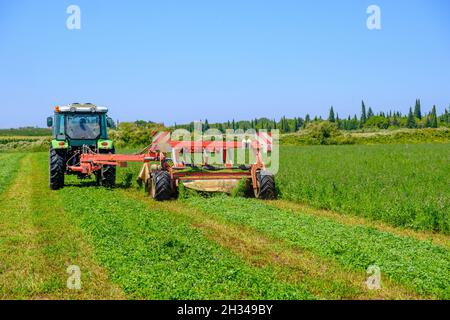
x: 83, y: 126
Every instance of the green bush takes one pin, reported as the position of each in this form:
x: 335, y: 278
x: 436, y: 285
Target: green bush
x: 22, y: 144
x: 322, y: 134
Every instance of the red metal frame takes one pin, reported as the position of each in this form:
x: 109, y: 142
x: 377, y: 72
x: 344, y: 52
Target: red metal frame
x: 91, y: 162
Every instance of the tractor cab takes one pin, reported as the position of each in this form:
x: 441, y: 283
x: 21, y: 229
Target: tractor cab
x: 77, y: 128
x: 80, y: 124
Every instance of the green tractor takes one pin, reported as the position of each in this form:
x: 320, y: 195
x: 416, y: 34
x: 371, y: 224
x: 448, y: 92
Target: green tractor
x: 79, y: 128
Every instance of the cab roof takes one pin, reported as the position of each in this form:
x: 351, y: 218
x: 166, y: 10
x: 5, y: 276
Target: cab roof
x: 80, y: 107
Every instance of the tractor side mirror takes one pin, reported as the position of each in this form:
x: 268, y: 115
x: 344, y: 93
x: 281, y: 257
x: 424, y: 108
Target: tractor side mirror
x: 49, y: 122
x: 109, y: 122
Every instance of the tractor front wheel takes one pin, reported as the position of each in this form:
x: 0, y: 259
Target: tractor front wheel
x: 57, y: 168
x: 160, y: 185
x: 265, y: 185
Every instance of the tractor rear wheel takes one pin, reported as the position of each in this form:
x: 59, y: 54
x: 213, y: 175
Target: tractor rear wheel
x: 160, y: 185
x: 57, y: 168
x: 265, y: 185
x: 107, y: 175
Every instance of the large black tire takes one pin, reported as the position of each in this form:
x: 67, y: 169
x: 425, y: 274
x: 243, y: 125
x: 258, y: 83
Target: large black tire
x: 57, y: 168
x: 107, y: 175
x: 160, y: 185
x: 266, y: 185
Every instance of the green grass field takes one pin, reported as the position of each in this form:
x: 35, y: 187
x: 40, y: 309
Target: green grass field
x: 379, y: 202
x: 404, y: 185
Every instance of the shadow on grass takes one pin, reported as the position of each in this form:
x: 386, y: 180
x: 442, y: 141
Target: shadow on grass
x: 93, y: 184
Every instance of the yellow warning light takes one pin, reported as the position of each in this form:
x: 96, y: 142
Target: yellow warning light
x: 57, y: 109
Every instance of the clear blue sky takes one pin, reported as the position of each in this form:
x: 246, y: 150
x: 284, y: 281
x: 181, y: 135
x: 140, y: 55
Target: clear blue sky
x: 177, y: 61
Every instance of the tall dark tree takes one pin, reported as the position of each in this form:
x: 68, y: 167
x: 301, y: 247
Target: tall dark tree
x: 355, y: 123
x: 331, y: 117
x: 363, y: 114
x: 307, y: 120
x: 411, y: 121
x: 417, y: 112
x: 434, y: 123
x: 394, y: 120
x: 427, y: 121
x: 370, y: 113
x: 284, y: 127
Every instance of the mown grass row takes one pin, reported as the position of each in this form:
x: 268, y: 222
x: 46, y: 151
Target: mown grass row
x: 9, y: 165
x: 418, y: 265
x: 154, y: 255
x: 404, y: 185
x: 39, y: 240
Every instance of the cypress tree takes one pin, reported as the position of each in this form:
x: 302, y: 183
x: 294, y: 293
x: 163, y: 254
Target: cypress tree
x: 355, y: 123
x: 369, y: 113
x: 331, y: 117
x: 411, y: 121
x: 363, y: 114
x: 427, y: 122
x: 434, y: 123
x: 417, y: 112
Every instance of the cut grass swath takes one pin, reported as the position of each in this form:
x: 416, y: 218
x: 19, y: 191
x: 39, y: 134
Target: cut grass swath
x: 418, y: 265
x: 38, y: 241
x: 154, y: 255
x: 9, y: 166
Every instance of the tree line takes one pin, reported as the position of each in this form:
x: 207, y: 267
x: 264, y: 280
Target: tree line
x: 367, y: 119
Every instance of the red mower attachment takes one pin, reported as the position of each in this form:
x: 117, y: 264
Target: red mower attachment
x: 168, y: 163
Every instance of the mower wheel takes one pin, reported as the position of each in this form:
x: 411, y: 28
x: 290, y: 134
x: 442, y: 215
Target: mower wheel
x: 160, y: 185
x: 56, y: 169
x: 266, y: 185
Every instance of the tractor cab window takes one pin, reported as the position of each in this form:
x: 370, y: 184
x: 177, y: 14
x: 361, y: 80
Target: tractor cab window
x: 82, y: 126
x: 59, y: 127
